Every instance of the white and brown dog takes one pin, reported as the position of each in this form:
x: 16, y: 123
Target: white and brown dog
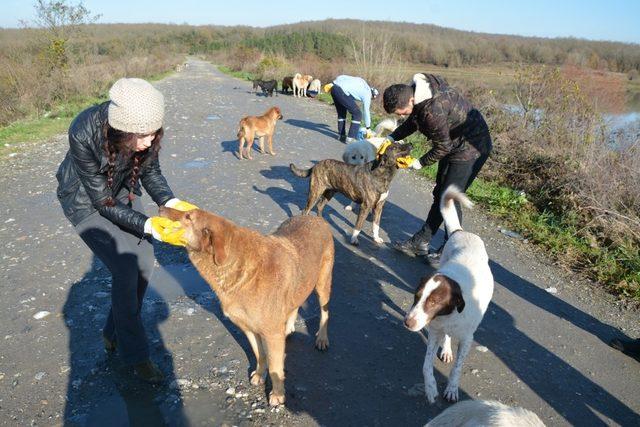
x: 300, y: 84
x: 452, y: 302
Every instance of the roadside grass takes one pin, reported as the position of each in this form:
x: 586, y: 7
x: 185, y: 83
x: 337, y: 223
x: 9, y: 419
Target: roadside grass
x: 23, y: 133
x: 617, y: 269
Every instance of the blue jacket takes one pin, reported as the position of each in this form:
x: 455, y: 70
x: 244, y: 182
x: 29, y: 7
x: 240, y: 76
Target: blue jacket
x: 358, y: 88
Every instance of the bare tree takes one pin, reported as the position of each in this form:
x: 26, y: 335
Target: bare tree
x: 60, y: 21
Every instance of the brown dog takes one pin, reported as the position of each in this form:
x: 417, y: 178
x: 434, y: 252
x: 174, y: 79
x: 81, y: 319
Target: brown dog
x: 366, y: 184
x: 251, y: 127
x: 287, y: 84
x: 261, y: 281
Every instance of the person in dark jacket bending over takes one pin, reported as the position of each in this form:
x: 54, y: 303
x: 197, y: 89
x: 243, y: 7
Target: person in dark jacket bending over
x: 459, y: 136
x: 113, y: 148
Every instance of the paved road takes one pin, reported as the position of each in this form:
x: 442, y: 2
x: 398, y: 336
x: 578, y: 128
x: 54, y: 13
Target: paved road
x: 541, y: 350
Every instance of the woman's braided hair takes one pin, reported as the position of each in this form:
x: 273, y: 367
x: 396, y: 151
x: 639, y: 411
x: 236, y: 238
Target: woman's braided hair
x: 120, y: 143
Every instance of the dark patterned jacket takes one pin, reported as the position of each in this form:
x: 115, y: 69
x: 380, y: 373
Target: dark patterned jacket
x: 82, y: 176
x: 457, y: 131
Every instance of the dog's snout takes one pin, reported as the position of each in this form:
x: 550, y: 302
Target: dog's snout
x: 409, y: 322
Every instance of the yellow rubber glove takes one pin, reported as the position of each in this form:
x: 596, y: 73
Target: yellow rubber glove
x: 404, y: 162
x: 383, y: 147
x: 167, y: 231
x: 183, y: 206
x: 368, y: 134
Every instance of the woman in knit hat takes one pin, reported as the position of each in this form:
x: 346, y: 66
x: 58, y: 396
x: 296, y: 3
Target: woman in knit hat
x: 113, y: 148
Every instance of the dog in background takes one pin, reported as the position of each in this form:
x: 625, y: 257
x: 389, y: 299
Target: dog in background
x: 300, y: 84
x: 287, y: 84
x: 268, y: 87
x: 261, y: 281
x: 366, y: 184
x: 251, y: 127
x: 315, y: 86
x: 485, y: 413
x: 255, y: 84
x: 452, y: 302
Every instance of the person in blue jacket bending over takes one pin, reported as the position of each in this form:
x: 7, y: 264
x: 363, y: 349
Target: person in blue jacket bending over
x: 346, y: 90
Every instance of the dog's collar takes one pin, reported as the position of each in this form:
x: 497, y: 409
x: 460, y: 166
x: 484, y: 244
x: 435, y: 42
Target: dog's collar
x: 459, y: 229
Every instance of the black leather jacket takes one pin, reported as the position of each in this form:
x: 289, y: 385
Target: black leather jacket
x: 82, y: 176
x: 455, y: 128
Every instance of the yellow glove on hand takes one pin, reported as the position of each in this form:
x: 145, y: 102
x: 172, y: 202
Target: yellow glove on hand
x: 383, y: 147
x: 404, y: 162
x: 327, y: 88
x: 368, y: 134
x: 167, y: 231
x: 183, y: 206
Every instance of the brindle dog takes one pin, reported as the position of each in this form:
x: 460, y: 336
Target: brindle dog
x: 366, y: 184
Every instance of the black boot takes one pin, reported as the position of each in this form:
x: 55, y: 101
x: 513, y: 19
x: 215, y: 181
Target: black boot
x: 628, y: 347
x: 149, y: 372
x: 417, y: 245
x: 343, y: 139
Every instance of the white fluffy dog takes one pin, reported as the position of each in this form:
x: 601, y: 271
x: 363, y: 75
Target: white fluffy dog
x: 364, y: 151
x: 315, y: 85
x: 452, y: 302
x: 485, y: 413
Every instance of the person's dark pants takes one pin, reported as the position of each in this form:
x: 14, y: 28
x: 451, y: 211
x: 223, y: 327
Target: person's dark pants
x: 458, y: 173
x: 344, y: 103
x: 130, y: 261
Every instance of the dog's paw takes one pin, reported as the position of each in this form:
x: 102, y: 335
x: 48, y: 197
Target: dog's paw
x: 257, y: 378
x: 431, y: 390
x: 378, y: 240
x: 348, y: 208
x: 354, y: 241
x: 276, y: 399
x: 322, y: 343
x: 272, y: 153
x: 446, y: 355
x: 451, y: 393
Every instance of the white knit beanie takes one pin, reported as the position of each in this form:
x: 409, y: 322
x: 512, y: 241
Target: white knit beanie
x: 136, y: 106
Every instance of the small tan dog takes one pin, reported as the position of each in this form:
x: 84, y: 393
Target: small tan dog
x: 261, y: 281
x: 300, y: 84
x: 251, y: 127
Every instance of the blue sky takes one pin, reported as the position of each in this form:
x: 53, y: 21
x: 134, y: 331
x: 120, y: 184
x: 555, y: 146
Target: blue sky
x: 617, y: 20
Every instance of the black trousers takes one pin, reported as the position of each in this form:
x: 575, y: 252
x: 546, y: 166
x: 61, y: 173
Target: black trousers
x: 459, y: 173
x: 130, y: 261
x: 344, y: 103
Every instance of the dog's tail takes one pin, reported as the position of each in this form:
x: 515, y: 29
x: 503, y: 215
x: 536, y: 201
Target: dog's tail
x: 448, y: 209
x: 302, y: 173
x: 385, y: 127
x: 241, y: 125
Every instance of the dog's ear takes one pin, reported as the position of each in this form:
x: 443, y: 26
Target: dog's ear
x: 215, y: 244
x: 456, y: 296
x: 460, y: 304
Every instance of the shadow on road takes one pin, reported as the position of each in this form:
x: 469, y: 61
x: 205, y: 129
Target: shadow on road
x: 100, y: 390
x: 572, y: 394
x: 318, y: 127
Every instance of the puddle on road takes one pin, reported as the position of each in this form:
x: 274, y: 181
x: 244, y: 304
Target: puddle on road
x: 213, y: 117
x: 196, y: 164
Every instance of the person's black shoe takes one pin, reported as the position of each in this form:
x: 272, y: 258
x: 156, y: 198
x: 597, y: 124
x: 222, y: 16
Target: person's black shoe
x: 109, y: 344
x: 343, y: 139
x: 149, y: 372
x: 628, y: 347
x: 415, y: 246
